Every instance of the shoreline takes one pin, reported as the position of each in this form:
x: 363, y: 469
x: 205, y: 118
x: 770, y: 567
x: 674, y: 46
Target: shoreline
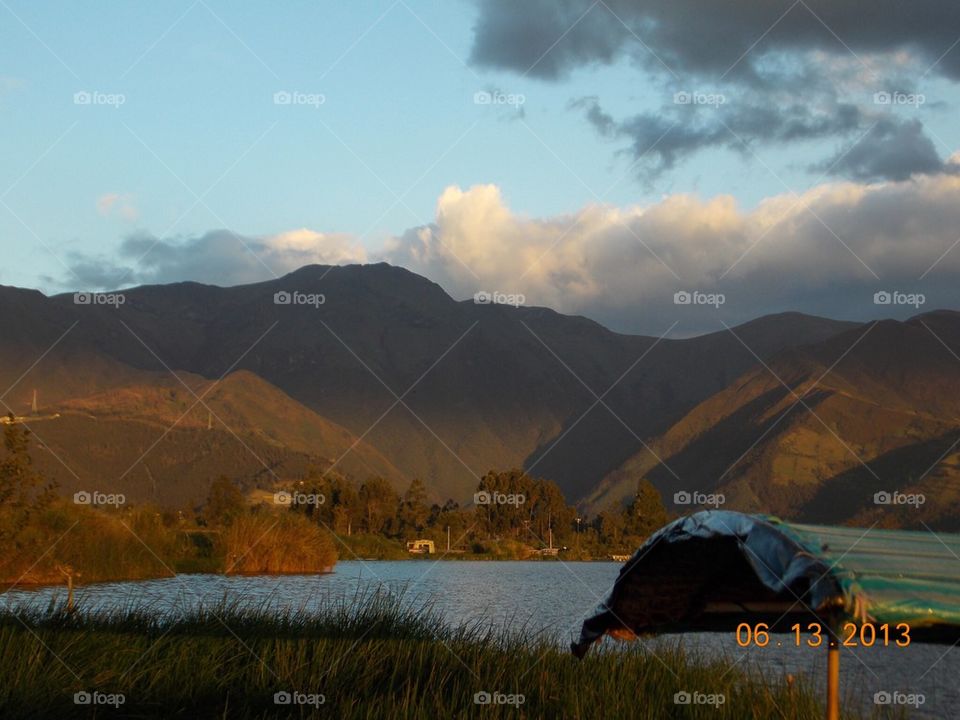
x: 8, y: 585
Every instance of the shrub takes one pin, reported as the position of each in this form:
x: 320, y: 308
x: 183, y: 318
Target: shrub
x: 284, y: 542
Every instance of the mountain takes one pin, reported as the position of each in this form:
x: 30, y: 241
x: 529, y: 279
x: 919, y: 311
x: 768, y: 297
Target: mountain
x: 824, y: 427
x: 440, y: 389
x: 158, y: 442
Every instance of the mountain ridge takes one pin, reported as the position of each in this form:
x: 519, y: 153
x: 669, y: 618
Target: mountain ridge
x: 437, y: 388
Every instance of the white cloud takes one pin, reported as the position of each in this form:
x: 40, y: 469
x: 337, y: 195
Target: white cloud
x: 823, y: 252
x: 296, y: 248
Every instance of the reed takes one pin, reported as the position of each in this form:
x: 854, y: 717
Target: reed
x: 370, y: 656
x: 99, y: 545
x: 277, y: 543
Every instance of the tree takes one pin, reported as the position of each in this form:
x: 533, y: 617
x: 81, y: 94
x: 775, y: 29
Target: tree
x: 646, y: 513
x: 344, y: 504
x: 225, y: 501
x: 414, y: 510
x: 611, y: 526
x: 23, y: 491
x: 379, y: 502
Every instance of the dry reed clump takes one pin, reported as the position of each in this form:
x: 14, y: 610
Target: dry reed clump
x: 277, y: 543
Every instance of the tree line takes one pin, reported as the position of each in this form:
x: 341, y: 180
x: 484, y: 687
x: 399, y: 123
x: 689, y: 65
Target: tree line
x: 508, y: 506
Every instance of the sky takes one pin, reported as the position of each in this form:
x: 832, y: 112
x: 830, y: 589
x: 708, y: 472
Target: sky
x: 658, y: 167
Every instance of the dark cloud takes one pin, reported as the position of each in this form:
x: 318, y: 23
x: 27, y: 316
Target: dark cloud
x: 545, y: 39
x: 522, y: 36
x: 602, y: 121
x: 664, y: 138
x: 889, y: 151
x: 789, y: 72
x: 221, y: 257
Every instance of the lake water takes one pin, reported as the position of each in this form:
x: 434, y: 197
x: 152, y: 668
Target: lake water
x: 550, y: 596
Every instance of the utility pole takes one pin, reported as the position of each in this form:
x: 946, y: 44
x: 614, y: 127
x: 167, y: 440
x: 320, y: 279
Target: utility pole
x: 448, y: 538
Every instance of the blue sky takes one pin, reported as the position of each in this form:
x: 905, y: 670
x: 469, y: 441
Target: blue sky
x: 198, y: 143
x: 397, y: 96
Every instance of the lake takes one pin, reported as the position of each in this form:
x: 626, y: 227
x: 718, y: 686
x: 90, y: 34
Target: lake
x: 550, y: 596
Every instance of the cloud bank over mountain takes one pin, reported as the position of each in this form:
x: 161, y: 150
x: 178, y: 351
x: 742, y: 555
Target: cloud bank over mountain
x: 826, y: 251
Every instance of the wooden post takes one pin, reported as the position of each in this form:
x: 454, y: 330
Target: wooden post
x: 68, y: 572
x: 833, y: 678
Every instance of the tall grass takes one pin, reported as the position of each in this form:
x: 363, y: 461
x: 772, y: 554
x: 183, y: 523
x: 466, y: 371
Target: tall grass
x: 94, y: 545
x: 98, y: 545
x: 285, y: 542
x: 370, y: 657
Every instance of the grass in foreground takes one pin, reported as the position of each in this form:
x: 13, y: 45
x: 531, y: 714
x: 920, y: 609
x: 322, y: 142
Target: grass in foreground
x: 368, y: 657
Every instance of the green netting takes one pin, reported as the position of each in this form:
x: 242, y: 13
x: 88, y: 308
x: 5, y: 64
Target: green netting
x: 894, y: 575
x: 715, y: 569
